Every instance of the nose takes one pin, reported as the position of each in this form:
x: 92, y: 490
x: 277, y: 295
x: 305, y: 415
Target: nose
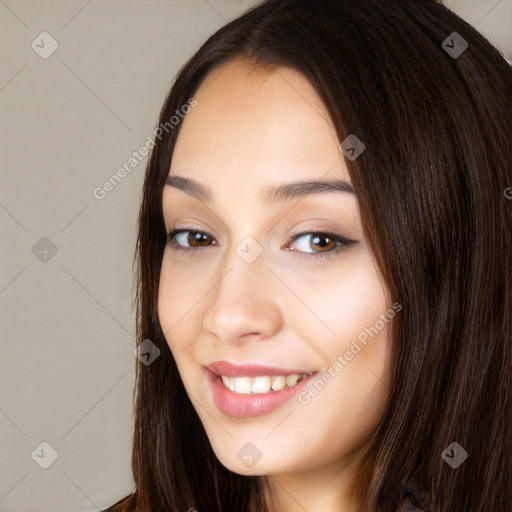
x: 244, y: 303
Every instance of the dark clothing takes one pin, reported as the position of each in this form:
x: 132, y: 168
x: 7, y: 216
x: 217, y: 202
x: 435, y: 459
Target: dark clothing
x: 409, y: 504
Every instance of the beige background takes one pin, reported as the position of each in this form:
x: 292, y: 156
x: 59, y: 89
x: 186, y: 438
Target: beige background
x: 68, y: 123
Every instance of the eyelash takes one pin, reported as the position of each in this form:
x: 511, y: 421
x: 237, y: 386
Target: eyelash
x: 340, y: 240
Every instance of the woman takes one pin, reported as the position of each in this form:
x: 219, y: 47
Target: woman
x: 324, y: 266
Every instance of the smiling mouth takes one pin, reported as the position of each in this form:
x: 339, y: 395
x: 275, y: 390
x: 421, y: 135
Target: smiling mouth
x: 250, y: 389
x: 262, y: 383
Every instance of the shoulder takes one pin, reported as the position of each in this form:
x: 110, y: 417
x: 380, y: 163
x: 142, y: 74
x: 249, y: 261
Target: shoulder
x: 125, y: 504
x: 113, y: 508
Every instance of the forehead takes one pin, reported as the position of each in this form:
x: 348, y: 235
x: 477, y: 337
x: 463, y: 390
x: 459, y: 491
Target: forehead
x: 253, y: 127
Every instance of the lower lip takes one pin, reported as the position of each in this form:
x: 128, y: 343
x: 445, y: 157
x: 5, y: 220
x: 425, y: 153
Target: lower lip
x: 245, y: 405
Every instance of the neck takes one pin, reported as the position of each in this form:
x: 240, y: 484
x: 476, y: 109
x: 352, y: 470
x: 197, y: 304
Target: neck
x: 328, y: 489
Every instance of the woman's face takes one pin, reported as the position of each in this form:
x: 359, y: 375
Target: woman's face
x: 253, y: 293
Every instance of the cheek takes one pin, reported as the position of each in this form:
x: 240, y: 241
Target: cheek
x: 344, y: 302
x: 352, y: 339
x: 177, y: 299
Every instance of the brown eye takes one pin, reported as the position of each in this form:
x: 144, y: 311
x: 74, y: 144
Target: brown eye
x: 186, y: 239
x: 323, y: 241
x: 197, y: 238
x: 318, y: 244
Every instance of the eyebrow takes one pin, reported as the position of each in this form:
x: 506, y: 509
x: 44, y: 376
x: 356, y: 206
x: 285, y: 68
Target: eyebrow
x: 272, y: 193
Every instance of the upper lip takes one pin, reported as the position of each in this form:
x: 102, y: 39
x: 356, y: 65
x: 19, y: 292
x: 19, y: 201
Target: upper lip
x: 246, y: 369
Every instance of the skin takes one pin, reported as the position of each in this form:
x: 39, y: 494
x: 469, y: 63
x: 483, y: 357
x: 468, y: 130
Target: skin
x: 253, y: 128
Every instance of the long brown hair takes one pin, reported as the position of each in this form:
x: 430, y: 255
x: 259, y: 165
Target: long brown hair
x: 431, y: 189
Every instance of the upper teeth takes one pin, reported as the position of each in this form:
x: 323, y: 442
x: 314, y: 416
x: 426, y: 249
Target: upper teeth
x: 261, y: 384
